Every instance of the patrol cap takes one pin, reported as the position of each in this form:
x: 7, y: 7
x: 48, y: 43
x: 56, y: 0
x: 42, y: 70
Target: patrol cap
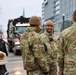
x: 49, y: 22
x: 74, y: 15
x: 34, y: 20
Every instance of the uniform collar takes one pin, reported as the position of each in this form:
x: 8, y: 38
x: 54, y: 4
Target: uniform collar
x: 74, y: 23
x: 30, y: 29
x: 48, y: 34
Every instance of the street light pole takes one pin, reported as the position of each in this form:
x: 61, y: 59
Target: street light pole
x: 63, y: 19
x: 43, y: 27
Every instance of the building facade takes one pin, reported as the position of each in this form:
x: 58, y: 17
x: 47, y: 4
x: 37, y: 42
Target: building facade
x: 60, y: 12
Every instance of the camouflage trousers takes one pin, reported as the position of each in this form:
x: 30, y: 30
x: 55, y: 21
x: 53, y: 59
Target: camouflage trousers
x: 53, y: 70
x: 35, y: 72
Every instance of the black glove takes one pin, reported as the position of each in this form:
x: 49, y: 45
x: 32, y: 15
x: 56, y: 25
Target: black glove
x: 45, y: 73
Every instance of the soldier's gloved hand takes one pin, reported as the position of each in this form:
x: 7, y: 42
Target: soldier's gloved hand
x: 46, y: 73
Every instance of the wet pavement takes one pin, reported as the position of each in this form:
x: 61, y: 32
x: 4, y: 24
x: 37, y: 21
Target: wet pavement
x: 15, y: 65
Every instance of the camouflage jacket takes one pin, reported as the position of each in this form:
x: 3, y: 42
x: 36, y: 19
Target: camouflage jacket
x: 50, y: 41
x: 67, y: 51
x: 33, y: 51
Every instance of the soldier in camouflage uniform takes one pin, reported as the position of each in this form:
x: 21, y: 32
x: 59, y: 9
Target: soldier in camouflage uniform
x: 50, y: 43
x: 67, y: 51
x: 34, y: 58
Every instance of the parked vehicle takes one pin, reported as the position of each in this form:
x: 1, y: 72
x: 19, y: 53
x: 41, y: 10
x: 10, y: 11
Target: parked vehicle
x: 15, y: 29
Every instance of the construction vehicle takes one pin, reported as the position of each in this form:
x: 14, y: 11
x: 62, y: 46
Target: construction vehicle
x: 16, y: 27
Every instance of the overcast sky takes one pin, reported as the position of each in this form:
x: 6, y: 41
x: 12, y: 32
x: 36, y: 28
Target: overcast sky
x: 10, y: 9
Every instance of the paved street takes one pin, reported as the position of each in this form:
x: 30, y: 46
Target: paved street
x: 15, y: 65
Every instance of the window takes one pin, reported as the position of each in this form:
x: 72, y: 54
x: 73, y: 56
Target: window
x: 57, y: 12
x: 57, y: 2
x: 45, y: 2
